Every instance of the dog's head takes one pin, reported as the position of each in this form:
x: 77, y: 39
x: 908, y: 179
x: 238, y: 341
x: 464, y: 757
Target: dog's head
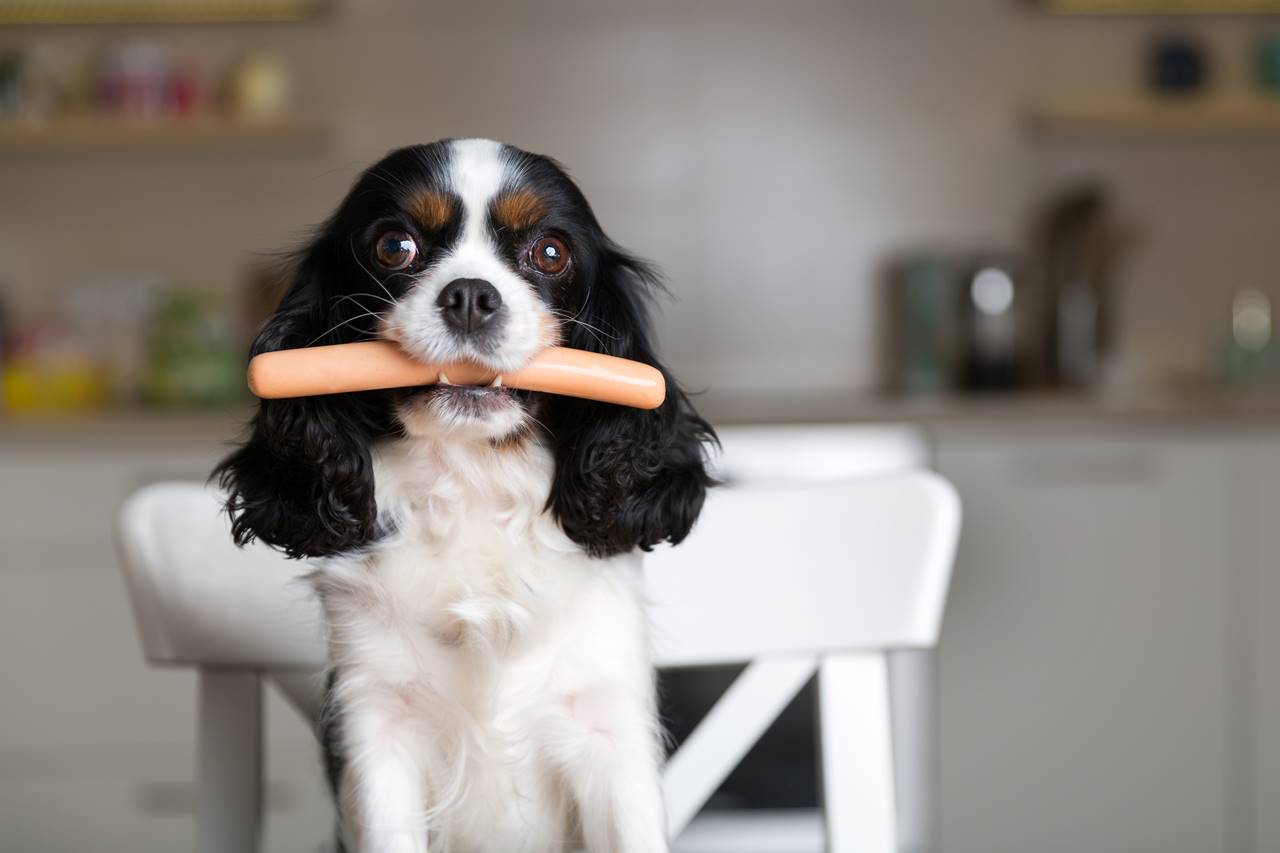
x: 466, y: 250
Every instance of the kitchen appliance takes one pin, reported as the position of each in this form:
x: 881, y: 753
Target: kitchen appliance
x: 960, y: 322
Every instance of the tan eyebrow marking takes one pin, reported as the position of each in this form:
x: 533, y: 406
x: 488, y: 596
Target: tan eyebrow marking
x: 518, y: 209
x: 433, y: 210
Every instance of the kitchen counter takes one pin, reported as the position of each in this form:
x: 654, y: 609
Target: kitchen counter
x: 125, y: 429
x: 1042, y: 411
x: 1210, y: 408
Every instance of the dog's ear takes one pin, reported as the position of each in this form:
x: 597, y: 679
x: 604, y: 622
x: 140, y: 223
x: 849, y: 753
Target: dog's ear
x: 624, y: 478
x: 303, y: 481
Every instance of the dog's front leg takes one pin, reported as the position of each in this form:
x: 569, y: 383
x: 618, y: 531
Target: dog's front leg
x: 609, y: 751
x: 382, y: 788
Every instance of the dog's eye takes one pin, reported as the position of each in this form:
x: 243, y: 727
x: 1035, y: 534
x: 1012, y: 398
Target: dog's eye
x: 549, y: 255
x: 395, y: 250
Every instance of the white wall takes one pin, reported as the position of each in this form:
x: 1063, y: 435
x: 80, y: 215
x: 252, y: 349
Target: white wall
x: 767, y: 154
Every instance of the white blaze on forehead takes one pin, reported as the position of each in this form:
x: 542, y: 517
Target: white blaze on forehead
x: 477, y: 171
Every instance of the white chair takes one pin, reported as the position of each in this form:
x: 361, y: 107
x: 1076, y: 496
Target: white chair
x: 791, y: 579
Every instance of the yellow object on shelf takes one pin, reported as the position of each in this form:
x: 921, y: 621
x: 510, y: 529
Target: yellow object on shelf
x: 67, y: 386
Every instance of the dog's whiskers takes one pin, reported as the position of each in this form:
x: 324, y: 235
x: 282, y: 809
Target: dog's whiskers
x: 530, y: 418
x: 327, y: 332
x: 574, y: 319
x: 356, y: 257
x: 356, y: 297
x: 597, y: 333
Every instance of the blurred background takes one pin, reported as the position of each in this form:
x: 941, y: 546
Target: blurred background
x: 1043, y: 234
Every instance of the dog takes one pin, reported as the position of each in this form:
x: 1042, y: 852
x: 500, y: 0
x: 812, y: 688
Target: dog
x: 474, y: 550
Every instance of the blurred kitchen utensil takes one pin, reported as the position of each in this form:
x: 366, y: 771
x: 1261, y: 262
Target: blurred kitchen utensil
x: 1079, y: 245
x: 1269, y: 63
x: 924, y: 300
x: 995, y: 323
x: 1177, y: 65
x: 1250, y: 355
x: 10, y: 83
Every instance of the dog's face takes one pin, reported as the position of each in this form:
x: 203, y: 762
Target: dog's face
x: 469, y: 251
x: 466, y: 250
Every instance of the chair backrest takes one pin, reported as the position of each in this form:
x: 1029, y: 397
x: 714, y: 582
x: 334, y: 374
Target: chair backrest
x: 199, y: 599
x: 857, y: 565
x: 791, y: 454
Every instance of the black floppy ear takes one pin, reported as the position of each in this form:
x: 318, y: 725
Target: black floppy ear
x: 625, y: 478
x: 303, y: 481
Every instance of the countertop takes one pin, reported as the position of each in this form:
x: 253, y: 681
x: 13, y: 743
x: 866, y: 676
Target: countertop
x: 125, y: 430
x: 1207, y: 407
x: 1039, y: 412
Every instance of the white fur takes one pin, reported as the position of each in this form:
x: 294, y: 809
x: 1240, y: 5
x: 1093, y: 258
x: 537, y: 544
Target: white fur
x: 494, y: 683
x: 478, y: 171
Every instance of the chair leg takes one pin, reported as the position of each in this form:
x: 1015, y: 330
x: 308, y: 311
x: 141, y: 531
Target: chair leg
x: 913, y: 704
x: 857, y: 754
x: 229, y: 762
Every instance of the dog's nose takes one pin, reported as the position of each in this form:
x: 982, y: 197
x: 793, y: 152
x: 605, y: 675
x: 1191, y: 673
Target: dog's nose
x: 468, y: 304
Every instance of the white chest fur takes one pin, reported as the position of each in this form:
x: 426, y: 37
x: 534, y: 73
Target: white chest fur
x: 482, y: 656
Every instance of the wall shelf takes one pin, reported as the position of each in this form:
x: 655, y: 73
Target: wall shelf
x: 1159, y: 7
x: 89, y: 134
x: 154, y: 11
x: 1157, y: 117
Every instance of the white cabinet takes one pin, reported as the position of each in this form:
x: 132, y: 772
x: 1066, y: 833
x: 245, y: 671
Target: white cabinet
x: 1094, y: 672
x: 1108, y: 678
x: 97, y: 749
x: 1259, y: 604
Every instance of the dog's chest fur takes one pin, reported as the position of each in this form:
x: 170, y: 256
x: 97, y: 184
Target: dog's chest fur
x: 474, y: 630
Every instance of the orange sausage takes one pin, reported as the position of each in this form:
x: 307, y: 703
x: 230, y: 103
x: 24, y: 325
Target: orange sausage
x: 373, y: 365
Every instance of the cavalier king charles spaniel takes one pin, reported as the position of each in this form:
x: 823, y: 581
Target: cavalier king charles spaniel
x: 474, y: 550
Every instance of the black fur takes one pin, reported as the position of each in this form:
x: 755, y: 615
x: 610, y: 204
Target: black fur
x: 331, y: 751
x: 624, y: 478
x: 303, y: 482
x: 331, y: 734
